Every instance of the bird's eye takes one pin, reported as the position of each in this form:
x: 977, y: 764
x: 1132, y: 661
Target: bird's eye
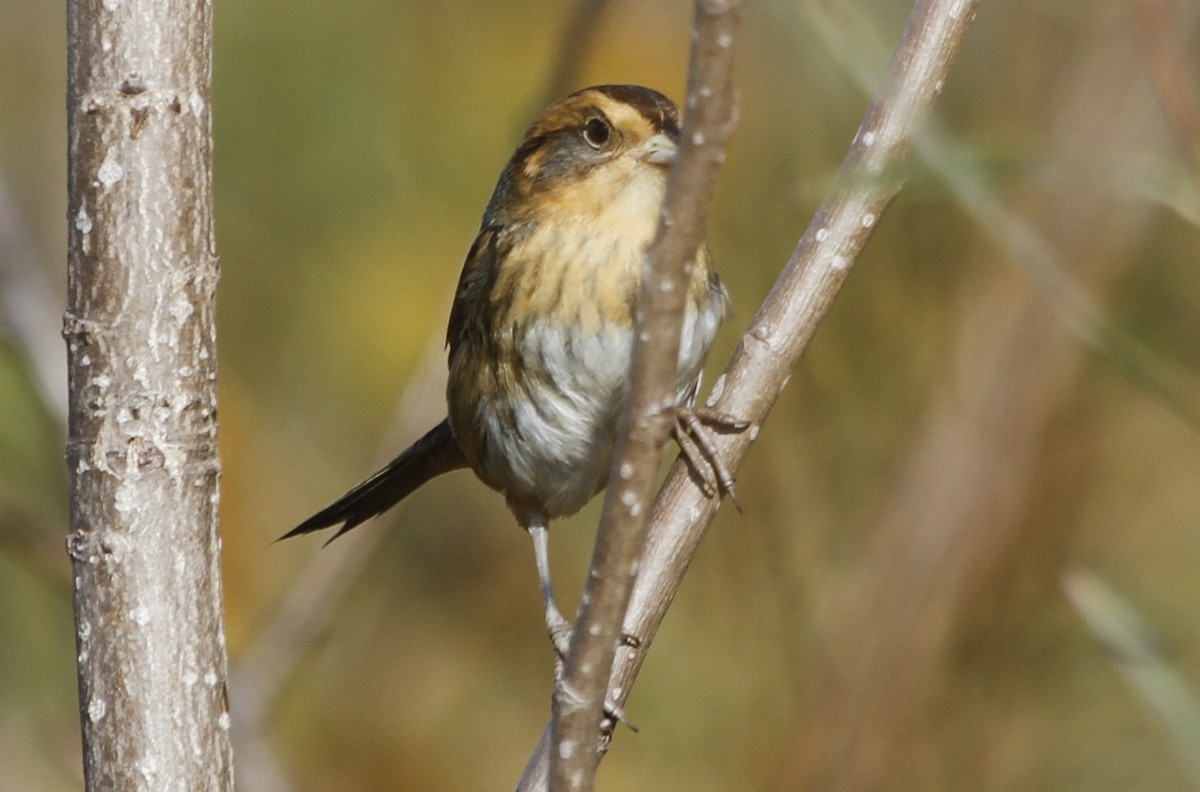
x: 596, y: 132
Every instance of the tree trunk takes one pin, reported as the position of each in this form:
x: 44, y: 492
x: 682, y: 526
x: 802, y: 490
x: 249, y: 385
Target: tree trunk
x: 142, y: 447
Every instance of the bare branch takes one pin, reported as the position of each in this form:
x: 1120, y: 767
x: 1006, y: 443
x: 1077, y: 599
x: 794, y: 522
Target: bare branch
x: 788, y: 318
x: 142, y: 426
x: 580, y: 694
x: 784, y: 325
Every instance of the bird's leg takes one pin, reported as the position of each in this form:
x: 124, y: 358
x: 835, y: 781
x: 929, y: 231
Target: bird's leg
x: 691, y: 432
x: 556, y: 624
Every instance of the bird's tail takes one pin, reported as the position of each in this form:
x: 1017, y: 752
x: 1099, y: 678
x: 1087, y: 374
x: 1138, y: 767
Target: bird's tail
x: 436, y: 453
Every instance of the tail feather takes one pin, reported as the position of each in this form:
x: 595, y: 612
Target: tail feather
x: 436, y: 453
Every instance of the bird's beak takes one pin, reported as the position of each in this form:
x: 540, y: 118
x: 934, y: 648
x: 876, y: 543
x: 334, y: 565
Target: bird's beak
x: 658, y: 150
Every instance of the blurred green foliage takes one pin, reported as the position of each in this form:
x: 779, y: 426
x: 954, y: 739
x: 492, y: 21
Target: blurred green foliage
x: 356, y: 145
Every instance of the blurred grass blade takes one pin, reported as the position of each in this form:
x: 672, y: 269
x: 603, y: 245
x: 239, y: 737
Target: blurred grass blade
x: 1173, y: 384
x: 852, y: 40
x: 1169, y: 185
x: 1127, y: 637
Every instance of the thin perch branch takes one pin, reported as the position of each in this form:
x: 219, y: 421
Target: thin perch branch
x: 781, y: 330
x: 581, y: 692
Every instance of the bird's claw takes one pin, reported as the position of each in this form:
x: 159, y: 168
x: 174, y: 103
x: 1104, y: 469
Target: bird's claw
x: 560, y: 636
x: 691, y: 432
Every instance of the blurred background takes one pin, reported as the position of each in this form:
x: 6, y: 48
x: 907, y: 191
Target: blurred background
x: 970, y: 545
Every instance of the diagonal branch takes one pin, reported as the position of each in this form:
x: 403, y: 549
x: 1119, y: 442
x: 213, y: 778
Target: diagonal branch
x: 785, y: 323
x: 580, y: 693
x: 781, y: 330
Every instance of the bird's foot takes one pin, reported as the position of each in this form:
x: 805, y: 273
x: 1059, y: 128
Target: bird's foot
x: 560, y: 633
x: 560, y: 637
x: 693, y: 435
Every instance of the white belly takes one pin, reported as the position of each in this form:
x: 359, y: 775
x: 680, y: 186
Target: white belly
x: 551, y: 441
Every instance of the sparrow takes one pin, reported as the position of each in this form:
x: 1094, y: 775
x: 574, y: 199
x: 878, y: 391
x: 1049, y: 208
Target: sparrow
x: 541, y: 328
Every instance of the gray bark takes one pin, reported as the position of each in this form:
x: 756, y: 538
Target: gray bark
x: 142, y: 446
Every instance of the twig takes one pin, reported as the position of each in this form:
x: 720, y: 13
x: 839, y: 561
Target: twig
x: 580, y: 693
x: 780, y: 331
